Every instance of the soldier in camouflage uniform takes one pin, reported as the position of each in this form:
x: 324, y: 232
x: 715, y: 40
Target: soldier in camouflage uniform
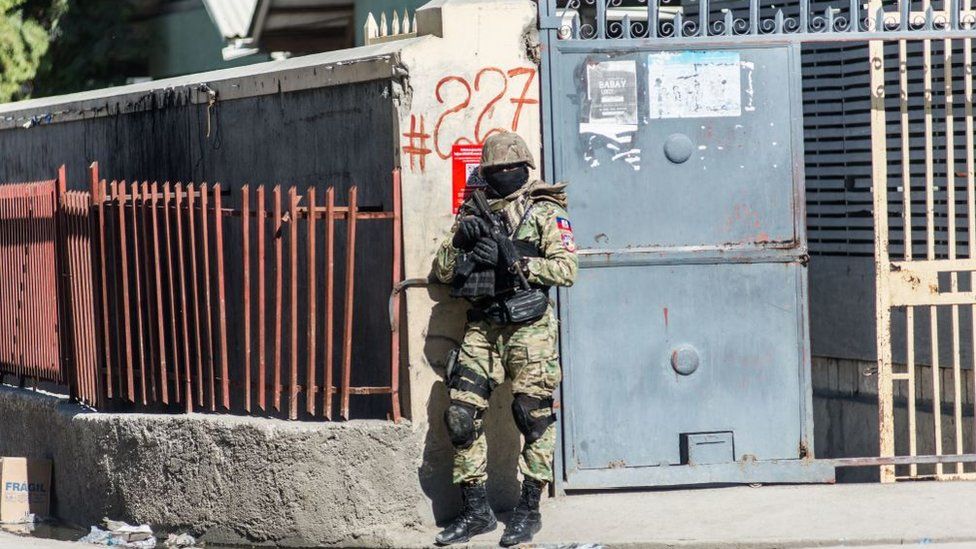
x: 493, y: 349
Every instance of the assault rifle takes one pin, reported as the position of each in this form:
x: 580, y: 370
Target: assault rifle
x: 499, y: 232
x: 527, y: 304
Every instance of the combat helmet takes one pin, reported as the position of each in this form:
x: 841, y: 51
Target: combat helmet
x: 504, y: 149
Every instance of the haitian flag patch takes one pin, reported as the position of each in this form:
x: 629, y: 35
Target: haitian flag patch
x: 566, y: 233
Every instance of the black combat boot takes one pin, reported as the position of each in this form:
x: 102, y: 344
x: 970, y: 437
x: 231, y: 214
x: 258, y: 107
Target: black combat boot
x: 526, y: 520
x: 476, y: 517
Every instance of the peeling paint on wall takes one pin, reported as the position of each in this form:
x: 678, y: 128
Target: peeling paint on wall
x: 610, y: 143
x: 748, y: 67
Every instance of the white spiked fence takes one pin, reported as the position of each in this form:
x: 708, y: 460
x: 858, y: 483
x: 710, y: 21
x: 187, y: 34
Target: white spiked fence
x: 396, y: 27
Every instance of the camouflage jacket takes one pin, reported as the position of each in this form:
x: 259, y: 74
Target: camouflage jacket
x: 547, y: 226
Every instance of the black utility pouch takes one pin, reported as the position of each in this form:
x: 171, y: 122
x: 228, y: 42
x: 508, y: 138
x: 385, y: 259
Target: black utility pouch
x: 452, y: 361
x: 526, y: 306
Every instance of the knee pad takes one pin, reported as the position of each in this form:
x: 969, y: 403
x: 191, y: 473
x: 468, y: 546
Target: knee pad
x: 465, y: 379
x: 462, y: 424
x: 532, y: 426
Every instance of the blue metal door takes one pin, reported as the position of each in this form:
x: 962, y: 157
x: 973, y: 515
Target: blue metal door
x: 684, y: 341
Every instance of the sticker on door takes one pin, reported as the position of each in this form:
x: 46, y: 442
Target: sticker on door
x: 694, y: 84
x: 609, y: 119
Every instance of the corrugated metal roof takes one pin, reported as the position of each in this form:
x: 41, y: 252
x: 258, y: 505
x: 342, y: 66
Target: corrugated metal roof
x: 302, y: 26
x: 301, y: 15
x: 232, y: 17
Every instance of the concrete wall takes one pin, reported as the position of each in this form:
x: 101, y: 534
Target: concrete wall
x: 365, y: 7
x: 230, y: 479
x: 481, y: 75
x: 845, y: 403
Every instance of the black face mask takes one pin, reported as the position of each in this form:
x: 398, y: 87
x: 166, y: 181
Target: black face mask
x: 502, y: 183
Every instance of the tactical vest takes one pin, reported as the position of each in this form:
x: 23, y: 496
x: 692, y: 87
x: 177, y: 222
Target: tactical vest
x: 485, y: 283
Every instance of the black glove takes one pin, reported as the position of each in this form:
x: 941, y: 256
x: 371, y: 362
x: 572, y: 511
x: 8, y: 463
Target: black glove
x: 469, y: 230
x: 486, y: 252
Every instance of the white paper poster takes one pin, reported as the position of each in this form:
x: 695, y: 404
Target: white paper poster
x: 611, y: 88
x: 694, y: 84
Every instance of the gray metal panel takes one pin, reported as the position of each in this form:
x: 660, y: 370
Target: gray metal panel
x: 627, y: 406
x: 724, y: 252
x: 728, y: 192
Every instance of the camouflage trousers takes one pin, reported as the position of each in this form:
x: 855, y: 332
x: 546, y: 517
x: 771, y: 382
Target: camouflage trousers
x: 529, y: 356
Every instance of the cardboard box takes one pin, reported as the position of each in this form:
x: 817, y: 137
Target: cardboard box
x: 25, y: 489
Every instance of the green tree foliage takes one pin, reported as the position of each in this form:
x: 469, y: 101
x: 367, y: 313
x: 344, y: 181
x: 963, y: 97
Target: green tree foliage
x: 99, y: 43
x: 26, y: 28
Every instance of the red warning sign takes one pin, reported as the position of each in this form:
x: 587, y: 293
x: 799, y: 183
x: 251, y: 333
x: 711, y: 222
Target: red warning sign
x: 465, y: 159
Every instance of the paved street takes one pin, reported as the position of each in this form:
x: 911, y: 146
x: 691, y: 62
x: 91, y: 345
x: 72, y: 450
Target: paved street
x: 11, y: 541
x: 923, y: 513
x: 862, y: 515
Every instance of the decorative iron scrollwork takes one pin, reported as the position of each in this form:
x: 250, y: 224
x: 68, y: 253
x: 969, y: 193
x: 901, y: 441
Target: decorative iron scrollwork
x: 657, y: 19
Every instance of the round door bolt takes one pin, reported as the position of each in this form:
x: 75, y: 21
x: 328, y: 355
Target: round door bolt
x: 685, y: 360
x: 678, y: 148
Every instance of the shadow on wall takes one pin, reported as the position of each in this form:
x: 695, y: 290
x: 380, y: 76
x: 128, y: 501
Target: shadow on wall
x: 446, y: 329
x: 845, y: 401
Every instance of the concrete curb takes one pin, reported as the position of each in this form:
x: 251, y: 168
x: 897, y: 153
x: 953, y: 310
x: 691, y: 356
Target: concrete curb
x: 225, y: 479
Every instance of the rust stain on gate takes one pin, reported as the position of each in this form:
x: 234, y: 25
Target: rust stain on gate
x: 147, y: 306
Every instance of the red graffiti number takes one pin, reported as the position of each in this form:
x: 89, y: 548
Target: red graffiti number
x: 489, y: 109
x: 457, y: 94
x: 453, y: 109
x: 523, y: 99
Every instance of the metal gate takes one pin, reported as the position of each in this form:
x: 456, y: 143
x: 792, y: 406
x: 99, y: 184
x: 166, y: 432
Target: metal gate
x: 925, y: 251
x: 685, y: 342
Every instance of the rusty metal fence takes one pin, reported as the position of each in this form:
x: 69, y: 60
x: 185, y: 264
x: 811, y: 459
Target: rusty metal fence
x: 29, y: 334
x: 77, y: 297
x: 171, y: 299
